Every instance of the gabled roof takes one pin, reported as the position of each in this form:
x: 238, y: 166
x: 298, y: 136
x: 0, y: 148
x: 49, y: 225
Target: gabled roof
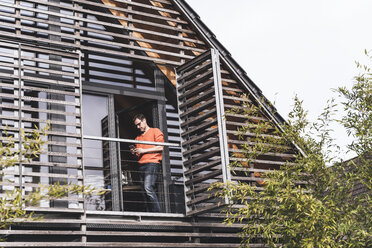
x: 235, y: 68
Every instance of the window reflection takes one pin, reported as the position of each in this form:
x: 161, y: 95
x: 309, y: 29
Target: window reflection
x: 95, y: 109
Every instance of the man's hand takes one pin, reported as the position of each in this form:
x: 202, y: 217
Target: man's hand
x: 140, y: 151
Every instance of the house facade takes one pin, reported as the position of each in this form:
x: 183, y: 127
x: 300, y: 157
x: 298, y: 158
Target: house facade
x: 85, y: 68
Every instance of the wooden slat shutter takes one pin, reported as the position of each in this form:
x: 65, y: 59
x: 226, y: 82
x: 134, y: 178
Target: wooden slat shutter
x: 42, y: 85
x: 203, y: 130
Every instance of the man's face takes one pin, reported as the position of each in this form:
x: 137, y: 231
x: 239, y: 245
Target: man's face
x: 140, y: 124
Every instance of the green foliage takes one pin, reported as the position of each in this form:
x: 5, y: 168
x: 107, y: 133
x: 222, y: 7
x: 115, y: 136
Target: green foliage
x: 307, y: 203
x: 358, y: 107
x: 14, y: 202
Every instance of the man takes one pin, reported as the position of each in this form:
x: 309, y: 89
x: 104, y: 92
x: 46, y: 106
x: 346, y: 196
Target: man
x: 149, y: 159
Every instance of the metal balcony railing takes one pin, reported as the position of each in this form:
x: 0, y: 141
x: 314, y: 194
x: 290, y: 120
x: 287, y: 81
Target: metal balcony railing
x: 109, y: 165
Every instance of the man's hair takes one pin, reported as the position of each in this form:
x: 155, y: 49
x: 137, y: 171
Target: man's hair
x: 140, y: 117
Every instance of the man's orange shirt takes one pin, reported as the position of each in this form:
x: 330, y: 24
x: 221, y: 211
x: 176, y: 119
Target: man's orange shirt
x: 153, y: 134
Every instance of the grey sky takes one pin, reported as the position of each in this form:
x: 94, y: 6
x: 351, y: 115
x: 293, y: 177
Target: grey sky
x: 290, y: 47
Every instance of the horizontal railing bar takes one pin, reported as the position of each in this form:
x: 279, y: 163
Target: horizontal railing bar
x: 130, y: 141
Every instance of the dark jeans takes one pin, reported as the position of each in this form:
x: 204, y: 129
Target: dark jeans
x: 148, y: 175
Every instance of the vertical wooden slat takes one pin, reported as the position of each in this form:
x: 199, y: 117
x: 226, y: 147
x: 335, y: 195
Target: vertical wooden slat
x: 20, y: 166
x: 221, y: 119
